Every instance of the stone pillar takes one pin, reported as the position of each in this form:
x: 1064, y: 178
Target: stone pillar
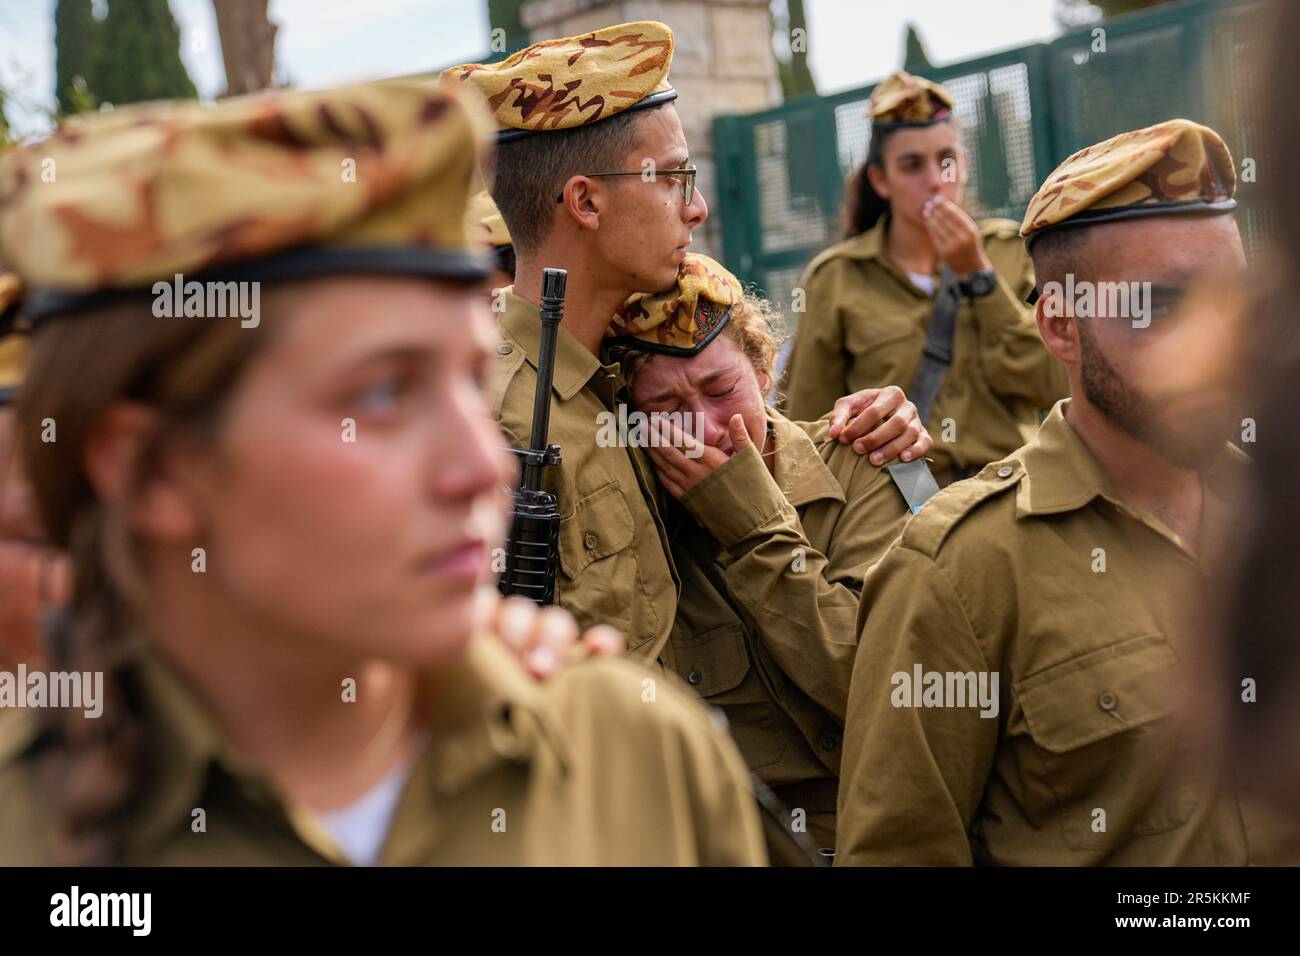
x: 722, y: 63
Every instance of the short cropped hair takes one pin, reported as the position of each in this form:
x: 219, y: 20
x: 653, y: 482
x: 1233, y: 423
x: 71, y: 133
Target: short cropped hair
x: 532, y: 171
x: 1058, y: 252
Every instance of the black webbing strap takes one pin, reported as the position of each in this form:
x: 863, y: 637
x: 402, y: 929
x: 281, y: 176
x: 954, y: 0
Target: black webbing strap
x: 937, y: 354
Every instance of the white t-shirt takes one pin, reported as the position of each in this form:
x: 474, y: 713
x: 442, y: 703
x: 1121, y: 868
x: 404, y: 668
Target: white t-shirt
x: 923, y: 282
x: 359, y: 828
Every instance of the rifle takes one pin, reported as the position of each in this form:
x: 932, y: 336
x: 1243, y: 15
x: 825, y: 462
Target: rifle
x: 532, y: 552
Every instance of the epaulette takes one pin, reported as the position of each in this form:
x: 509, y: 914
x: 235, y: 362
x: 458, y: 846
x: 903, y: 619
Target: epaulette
x: 928, y: 528
x: 511, y: 357
x: 999, y: 229
x: 847, y: 249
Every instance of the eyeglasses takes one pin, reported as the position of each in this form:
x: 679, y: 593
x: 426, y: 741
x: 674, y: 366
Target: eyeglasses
x: 687, y: 174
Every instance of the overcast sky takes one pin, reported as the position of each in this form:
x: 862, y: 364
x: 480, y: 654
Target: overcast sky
x: 326, y: 42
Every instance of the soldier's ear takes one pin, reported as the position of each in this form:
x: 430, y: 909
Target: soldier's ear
x: 126, y: 471
x: 876, y: 176
x: 583, y: 200
x: 1057, y: 324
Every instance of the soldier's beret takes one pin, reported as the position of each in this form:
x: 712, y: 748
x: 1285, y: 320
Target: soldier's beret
x: 575, y: 81
x: 1173, y: 167
x: 484, y: 223
x: 369, y: 178
x: 685, y: 318
x: 902, y: 99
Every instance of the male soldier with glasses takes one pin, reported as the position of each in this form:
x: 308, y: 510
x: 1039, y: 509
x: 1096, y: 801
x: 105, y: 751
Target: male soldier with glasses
x: 593, y: 175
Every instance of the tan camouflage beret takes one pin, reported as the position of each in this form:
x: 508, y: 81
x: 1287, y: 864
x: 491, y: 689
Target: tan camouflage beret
x: 575, y: 81
x: 484, y: 222
x: 13, y: 344
x: 684, y: 319
x: 1173, y: 167
x: 902, y: 99
x: 372, y: 178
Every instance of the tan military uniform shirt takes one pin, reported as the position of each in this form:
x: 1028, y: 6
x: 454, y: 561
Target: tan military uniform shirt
x: 771, y: 568
x: 614, y: 560
x: 584, y: 770
x: 865, y: 327
x: 1037, y: 571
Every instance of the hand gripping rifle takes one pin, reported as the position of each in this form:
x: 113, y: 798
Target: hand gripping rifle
x: 532, y: 550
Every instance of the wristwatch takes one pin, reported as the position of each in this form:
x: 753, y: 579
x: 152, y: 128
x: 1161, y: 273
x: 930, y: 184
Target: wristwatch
x: 980, y: 283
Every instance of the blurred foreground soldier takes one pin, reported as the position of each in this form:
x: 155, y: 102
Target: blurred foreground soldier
x: 1255, y: 630
x: 484, y: 224
x: 774, y: 525
x: 33, y: 576
x: 1022, y: 642
x: 583, y: 121
x: 920, y: 293
x: 280, y: 516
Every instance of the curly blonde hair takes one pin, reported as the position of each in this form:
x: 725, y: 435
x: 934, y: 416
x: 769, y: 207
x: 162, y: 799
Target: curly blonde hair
x: 756, y: 326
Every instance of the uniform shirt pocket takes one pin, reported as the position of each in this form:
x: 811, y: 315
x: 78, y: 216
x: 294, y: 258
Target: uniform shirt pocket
x: 716, y: 663
x: 884, y: 347
x: 600, y: 579
x: 600, y: 526
x: 1098, y: 724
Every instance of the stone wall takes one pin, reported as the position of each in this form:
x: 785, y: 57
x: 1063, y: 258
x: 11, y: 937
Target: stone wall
x: 723, y: 62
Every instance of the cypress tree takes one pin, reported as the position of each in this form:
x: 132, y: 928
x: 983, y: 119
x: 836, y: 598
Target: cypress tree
x: 138, y: 56
x: 76, y: 36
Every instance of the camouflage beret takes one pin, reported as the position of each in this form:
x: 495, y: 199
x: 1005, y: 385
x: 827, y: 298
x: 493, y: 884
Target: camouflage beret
x: 369, y: 178
x: 13, y: 342
x: 902, y: 99
x: 575, y: 81
x: 1173, y: 167
x: 483, y: 222
x: 685, y: 318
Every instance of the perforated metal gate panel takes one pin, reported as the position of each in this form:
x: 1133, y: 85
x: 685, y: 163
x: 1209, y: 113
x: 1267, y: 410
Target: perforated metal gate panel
x: 781, y: 172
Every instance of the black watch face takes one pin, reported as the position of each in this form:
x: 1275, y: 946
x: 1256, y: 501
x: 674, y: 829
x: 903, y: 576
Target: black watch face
x: 982, y: 282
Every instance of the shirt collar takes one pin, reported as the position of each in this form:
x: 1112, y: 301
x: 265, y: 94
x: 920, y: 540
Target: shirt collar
x: 521, y: 324
x: 800, y: 472
x: 482, y: 711
x: 869, y: 244
x: 1061, y: 474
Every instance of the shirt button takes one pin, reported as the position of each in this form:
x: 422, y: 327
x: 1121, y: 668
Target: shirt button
x: 694, y: 677
x: 1107, y: 701
x: 589, y: 539
x: 504, y: 350
x: 1005, y: 471
x: 829, y: 742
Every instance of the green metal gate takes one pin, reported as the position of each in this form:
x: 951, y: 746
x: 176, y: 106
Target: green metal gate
x: 781, y: 172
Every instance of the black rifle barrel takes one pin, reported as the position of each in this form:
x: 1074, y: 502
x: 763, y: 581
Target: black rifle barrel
x: 554, y: 283
x: 532, y: 552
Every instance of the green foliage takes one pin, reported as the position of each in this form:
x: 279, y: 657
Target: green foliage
x: 139, y: 55
x: 791, y: 31
x: 76, y: 35
x: 132, y: 56
x: 504, y: 15
x: 914, y: 58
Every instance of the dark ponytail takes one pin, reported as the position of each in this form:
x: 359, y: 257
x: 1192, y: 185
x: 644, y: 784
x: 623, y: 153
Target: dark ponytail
x: 863, y: 206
